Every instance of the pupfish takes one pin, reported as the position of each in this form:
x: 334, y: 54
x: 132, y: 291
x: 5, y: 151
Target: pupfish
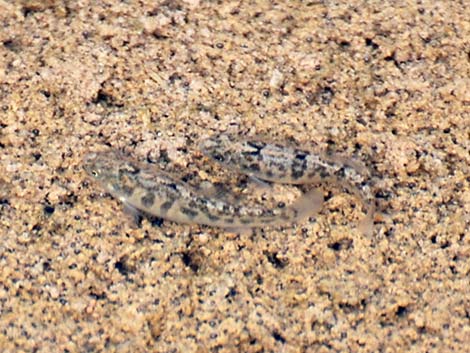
x: 285, y: 164
x: 145, y: 188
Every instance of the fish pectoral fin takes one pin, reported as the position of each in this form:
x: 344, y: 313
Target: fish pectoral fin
x: 366, y: 225
x: 134, y: 214
x: 258, y: 182
x: 308, y: 204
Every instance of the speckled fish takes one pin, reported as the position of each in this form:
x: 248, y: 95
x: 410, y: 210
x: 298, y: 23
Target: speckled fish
x: 284, y: 164
x: 142, y: 187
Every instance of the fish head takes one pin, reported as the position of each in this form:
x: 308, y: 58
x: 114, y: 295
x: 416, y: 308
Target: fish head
x: 101, y: 166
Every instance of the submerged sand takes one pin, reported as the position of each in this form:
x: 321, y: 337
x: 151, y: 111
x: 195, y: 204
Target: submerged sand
x: 385, y: 82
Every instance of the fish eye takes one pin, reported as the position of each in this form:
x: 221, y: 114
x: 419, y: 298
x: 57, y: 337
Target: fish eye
x: 218, y: 157
x: 95, y: 173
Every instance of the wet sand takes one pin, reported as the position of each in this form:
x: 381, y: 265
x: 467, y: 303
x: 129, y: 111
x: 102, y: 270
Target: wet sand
x: 385, y: 82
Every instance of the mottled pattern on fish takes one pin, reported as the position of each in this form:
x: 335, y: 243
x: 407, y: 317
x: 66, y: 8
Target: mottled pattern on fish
x: 284, y: 164
x: 145, y: 188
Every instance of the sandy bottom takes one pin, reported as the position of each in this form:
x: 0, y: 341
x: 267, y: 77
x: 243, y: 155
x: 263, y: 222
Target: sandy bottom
x: 384, y: 82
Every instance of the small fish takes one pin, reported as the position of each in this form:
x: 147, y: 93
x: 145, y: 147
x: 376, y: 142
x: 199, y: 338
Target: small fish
x: 283, y: 164
x: 144, y: 188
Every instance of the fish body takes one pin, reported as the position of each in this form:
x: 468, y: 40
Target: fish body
x: 289, y: 165
x: 279, y: 163
x: 145, y: 188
